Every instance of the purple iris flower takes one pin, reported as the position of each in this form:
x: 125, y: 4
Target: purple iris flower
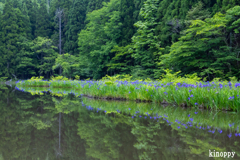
x: 230, y: 135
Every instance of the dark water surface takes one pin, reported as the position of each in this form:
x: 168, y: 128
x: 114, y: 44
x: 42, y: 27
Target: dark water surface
x: 51, y: 126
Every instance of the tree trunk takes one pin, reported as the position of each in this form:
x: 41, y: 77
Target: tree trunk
x: 59, y: 145
x: 48, y: 6
x: 60, y: 38
x: 59, y: 16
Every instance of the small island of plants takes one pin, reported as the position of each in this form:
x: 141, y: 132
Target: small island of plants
x: 186, y: 91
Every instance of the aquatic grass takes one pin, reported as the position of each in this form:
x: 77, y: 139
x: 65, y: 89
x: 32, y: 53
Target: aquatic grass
x: 217, y: 95
x: 61, y: 84
x: 33, y: 82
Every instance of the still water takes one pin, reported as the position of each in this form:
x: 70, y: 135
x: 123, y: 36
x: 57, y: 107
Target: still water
x: 64, y: 126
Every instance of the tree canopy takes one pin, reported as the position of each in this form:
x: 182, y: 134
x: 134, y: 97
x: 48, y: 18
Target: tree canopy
x: 109, y: 37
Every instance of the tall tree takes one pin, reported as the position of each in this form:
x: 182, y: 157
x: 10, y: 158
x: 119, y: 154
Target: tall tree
x: 59, y: 14
x: 43, y: 25
x: 95, y: 5
x: 122, y: 62
x: 208, y: 47
x: 1, y: 7
x: 138, y: 4
x: 27, y: 21
x: 16, y: 3
x: 146, y: 43
x: 77, y: 16
x: 99, y: 37
x: 13, y: 27
x: 32, y: 8
x: 65, y: 6
x: 126, y: 11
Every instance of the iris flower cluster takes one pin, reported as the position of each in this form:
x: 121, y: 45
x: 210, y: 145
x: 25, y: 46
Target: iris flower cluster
x: 211, y: 95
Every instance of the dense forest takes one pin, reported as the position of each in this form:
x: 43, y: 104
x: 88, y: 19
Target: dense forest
x: 94, y: 38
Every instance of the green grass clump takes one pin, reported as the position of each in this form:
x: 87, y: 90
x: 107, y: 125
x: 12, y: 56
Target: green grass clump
x: 211, y: 95
x: 34, y: 82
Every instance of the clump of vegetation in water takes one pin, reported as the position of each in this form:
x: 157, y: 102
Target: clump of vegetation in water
x: 34, y: 82
x: 60, y: 82
x: 182, y: 91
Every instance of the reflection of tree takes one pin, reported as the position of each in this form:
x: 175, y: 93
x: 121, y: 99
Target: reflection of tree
x: 38, y: 110
x: 29, y: 127
x: 68, y: 144
x: 35, y: 127
x: 12, y: 138
x: 100, y: 135
x: 107, y: 138
x: 199, y: 142
x: 72, y: 145
x: 156, y: 141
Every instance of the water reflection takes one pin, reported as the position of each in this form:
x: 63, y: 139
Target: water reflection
x: 78, y: 128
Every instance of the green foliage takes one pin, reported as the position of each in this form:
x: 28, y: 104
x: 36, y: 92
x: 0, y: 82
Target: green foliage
x: 38, y: 56
x: 146, y: 43
x: 95, y: 5
x: 174, y: 78
x: 43, y: 23
x: 1, y: 7
x: 77, y: 77
x: 34, y: 82
x: 122, y: 62
x: 233, y: 79
x: 98, y: 38
x: 203, y: 48
x: 124, y: 77
x: 188, y: 91
x: 137, y: 37
x: 68, y: 63
x: 77, y: 16
x: 3, y: 79
x: 32, y: 8
x: 126, y: 9
x: 59, y: 78
x: 12, y: 28
x: 197, y: 12
x: 26, y: 61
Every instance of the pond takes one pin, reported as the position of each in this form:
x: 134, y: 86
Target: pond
x: 49, y: 125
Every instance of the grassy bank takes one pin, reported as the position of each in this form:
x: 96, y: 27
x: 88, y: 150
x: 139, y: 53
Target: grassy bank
x: 210, y: 95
